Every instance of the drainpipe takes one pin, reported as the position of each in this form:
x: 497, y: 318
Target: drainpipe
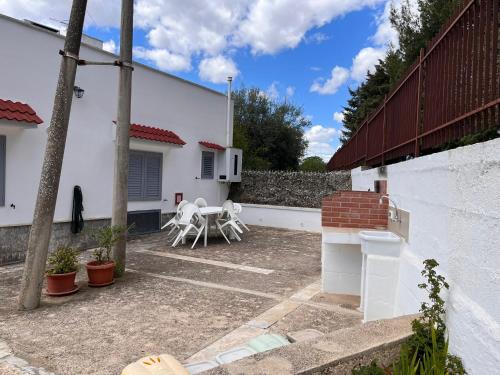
x: 229, y: 124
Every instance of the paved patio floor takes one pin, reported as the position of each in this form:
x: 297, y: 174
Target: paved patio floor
x: 188, y: 303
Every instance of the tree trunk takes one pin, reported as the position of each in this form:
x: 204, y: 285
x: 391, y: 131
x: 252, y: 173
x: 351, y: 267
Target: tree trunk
x: 120, y: 180
x: 41, y: 229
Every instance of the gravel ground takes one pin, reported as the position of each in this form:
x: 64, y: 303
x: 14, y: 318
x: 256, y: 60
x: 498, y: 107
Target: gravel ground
x: 99, y: 331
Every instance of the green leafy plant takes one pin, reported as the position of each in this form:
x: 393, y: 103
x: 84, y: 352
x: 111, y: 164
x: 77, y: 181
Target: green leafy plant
x: 429, y: 330
x: 426, y: 351
x: 372, y: 369
x: 434, y: 361
x: 106, y: 238
x: 63, y: 260
x: 432, y: 316
x: 406, y: 366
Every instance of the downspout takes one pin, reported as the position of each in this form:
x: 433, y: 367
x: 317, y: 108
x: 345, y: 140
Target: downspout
x: 229, y: 124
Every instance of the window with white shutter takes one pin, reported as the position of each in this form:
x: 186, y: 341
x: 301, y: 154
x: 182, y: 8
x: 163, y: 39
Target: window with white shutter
x: 207, y: 164
x: 3, y: 153
x: 144, y: 176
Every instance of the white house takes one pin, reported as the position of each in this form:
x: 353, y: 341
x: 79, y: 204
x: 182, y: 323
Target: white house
x: 180, y: 141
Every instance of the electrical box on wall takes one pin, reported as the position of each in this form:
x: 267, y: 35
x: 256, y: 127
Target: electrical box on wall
x: 229, y: 164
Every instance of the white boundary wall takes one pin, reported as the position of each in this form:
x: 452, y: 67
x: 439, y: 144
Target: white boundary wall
x: 297, y: 218
x: 454, y: 202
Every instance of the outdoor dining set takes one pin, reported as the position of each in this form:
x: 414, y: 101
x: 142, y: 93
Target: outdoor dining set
x: 193, y: 219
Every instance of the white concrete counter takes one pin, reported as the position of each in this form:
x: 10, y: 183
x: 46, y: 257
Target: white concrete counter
x: 347, y: 268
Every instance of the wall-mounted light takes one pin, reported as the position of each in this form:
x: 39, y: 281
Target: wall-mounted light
x: 78, y: 92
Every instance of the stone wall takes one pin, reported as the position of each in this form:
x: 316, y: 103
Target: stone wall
x: 14, y: 239
x: 293, y: 189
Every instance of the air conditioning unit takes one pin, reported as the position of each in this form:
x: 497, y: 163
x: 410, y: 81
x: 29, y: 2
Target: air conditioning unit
x: 229, y: 163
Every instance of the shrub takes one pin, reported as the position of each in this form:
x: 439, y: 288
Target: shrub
x: 429, y: 330
x: 63, y: 260
x: 432, y: 312
x: 106, y: 238
x: 426, y: 351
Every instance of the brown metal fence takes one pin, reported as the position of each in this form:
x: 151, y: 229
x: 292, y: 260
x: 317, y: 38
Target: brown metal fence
x: 453, y: 90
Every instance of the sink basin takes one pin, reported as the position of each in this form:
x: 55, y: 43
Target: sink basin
x: 379, y: 236
x: 384, y: 243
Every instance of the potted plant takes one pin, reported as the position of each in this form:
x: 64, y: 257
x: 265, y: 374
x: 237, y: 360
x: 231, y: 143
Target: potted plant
x: 61, y: 277
x: 101, y: 270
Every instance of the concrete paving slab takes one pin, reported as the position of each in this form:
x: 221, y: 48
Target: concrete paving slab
x: 334, y: 353
x: 207, y: 261
x: 171, y: 305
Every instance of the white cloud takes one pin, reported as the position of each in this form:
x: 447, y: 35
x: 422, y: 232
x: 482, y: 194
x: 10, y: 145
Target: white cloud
x: 338, y: 117
x: 217, y: 69
x: 272, y: 91
x: 339, y: 76
x: 320, y: 139
x: 386, y: 34
x: 290, y: 91
x: 319, y: 133
x: 164, y: 59
x: 179, y: 30
x: 271, y: 26
x: 110, y: 46
x: 365, y: 61
x: 100, y: 13
x: 316, y: 38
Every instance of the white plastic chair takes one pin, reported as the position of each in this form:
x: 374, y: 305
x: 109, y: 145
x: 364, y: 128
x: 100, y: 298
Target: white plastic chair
x: 174, y: 222
x: 237, y: 210
x: 200, y: 202
x: 227, y: 220
x: 191, y: 221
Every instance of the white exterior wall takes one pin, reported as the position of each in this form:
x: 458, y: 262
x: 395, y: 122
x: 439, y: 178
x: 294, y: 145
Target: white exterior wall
x: 454, y: 202
x: 29, y: 66
x: 295, y: 218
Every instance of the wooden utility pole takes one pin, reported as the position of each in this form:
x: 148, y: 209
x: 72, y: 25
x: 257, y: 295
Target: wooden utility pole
x: 41, y: 228
x: 120, y: 180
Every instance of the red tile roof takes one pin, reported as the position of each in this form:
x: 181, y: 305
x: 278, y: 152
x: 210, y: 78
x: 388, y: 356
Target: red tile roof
x: 215, y: 146
x: 154, y: 134
x: 17, y: 111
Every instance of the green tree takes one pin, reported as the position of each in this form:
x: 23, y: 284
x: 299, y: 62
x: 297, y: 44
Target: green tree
x: 417, y: 27
x: 270, y: 132
x: 313, y: 164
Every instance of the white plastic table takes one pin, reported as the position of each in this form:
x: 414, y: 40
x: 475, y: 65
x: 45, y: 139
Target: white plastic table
x: 206, y: 212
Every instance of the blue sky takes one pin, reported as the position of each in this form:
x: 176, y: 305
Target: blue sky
x: 309, y: 51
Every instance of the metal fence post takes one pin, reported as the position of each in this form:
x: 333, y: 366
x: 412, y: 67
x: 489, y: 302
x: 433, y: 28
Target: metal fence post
x: 384, y: 132
x: 420, y: 92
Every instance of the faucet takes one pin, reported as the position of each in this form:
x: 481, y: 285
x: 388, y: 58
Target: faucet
x: 396, y: 215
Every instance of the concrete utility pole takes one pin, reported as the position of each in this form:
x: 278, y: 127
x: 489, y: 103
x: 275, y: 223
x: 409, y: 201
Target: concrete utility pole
x: 41, y: 229
x: 120, y: 181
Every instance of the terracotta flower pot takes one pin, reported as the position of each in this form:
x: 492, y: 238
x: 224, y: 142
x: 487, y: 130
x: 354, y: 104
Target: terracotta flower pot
x: 100, y: 274
x: 61, y: 284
